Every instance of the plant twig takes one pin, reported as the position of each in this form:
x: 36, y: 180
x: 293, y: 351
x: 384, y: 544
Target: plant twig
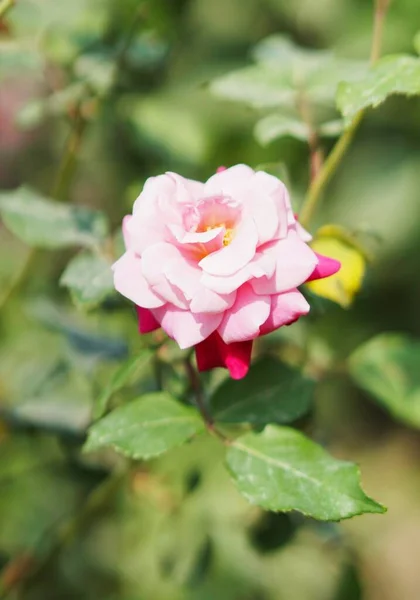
x: 68, y: 162
x: 316, y: 154
x: 201, y: 403
x: 317, y: 186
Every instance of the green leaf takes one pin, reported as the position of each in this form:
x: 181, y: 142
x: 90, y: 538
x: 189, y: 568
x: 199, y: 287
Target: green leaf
x: 89, y: 279
x: 387, y: 367
x: 276, y: 126
x: 146, y: 427
x: 283, y: 72
x: 398, y: 74
x: 271, y: 393
x: 281, y: 470
x: 124, y: 375
x: 43, y: 223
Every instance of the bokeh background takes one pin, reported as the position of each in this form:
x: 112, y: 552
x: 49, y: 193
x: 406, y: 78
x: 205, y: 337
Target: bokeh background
x: 181, y: 530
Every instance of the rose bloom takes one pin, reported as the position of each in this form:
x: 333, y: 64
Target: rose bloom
x: 217, y: 264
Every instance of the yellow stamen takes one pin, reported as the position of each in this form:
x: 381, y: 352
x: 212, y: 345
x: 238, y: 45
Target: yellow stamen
x: 228, y: 237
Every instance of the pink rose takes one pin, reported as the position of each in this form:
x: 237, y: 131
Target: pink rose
x: 217, y: 264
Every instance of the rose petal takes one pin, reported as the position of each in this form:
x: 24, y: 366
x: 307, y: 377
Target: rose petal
x: 207, y: 301
x: 236, y: 255
x: 285, y: 309
x: 130, y: 282
x: 325, y: 268
x: 229, y: 182
x: 147, y: 321
x: 154, y: 260
x: 242, y: 322
x: 295, y: 261
x: 186, y: 328
x: 213, y: 352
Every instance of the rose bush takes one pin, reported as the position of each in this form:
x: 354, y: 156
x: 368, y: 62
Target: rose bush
x: 217, y: 264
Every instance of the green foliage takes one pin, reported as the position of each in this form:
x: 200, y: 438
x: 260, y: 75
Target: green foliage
x: 387, y: 367
x: 41, y: 223
x: 126, y: 373
x: 280, y: 469
x: 89, y: 279
x: 295, y: 80
x: 276, y: 126
x: 397, y: 74
x: 271, y: 393
x: 146, y: 427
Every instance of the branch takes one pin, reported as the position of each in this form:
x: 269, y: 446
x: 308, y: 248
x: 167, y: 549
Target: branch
x: 317, y: 186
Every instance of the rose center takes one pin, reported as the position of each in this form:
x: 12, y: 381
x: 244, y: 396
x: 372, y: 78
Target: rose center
x: 229, y: 233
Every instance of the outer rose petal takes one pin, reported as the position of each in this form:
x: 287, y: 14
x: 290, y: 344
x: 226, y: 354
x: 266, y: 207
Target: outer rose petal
x: 325, y: 268
x: 130, y: 282
x: 229, y: 182
x: 207, y: 301
x: 285, y: 309
x: 213, y: 352
x: 242, y: 321
x: 125, y: 232
x: 147, y: 321
x: 154, y: 260
x: 295, y: 261
x: 185, y: 327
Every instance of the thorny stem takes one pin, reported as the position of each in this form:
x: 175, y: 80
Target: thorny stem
x: 200, y: 401
x: 317, y: 186
x: 5, y: 5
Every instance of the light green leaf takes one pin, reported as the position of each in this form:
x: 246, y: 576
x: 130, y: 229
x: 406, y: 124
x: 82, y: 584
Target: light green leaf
x: 387, y: 367
x: 285, y: 71
x: 398, y: 74
x: 276, y: 126
x: 89, y: 279
x: 282, y: 470
x: 146, y: 427
x: 98, y: 71
x: 271, y: 393
x: 46, y: 224
x: 124, y: 375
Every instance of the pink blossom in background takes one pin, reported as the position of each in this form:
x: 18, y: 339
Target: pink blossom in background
x: 217, y: 264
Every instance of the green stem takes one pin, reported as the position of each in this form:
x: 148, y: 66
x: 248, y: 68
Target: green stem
x: 68, y: 162
x: 327, y: 171
x: 336, y: 155
x: 200, y: 402
x: 5, y: 5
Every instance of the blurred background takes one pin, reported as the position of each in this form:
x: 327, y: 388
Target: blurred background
x: 181, y: 530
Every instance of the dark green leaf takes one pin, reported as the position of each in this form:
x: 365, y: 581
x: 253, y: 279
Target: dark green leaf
x: 397, y: 74
x: 146, y: 427
x: 282, y: 470
x: 272, y: 392
x: 89, y: 279
x: 387, y: 367
x: 46, y: 224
